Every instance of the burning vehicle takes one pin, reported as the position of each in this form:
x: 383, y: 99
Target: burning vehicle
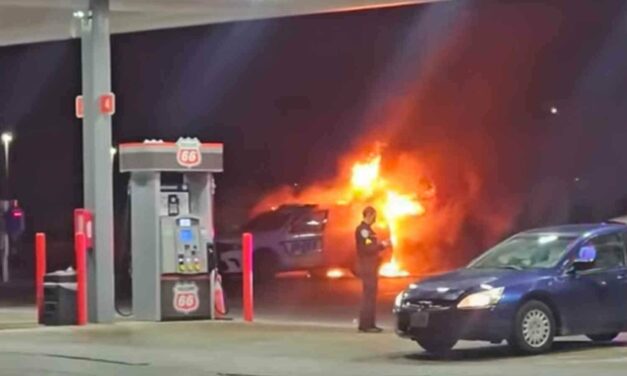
x: 294, y: 237
x: 291, y: 234
x: 285, y: 239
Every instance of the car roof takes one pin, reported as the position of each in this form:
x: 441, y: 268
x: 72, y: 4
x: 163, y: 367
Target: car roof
x: 296, y: 207
x: 579, y: 230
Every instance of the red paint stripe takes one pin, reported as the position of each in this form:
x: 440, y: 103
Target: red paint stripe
x: 213, y: 144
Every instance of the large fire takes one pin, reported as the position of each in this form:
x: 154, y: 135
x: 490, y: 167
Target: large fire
x: 367, y: 183
x: 399, y: 191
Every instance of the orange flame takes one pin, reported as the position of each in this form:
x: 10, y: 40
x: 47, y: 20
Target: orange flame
x: 392, y: 269
x: 365, y: 176
x: 397, y: 205
x: 335, y: 273
x: 394, y: 206
x: 400, y: 194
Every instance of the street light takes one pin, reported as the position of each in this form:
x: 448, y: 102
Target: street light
x: 7, y: 138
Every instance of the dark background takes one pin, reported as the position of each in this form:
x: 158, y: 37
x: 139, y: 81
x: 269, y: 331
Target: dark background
x: 468, y: 84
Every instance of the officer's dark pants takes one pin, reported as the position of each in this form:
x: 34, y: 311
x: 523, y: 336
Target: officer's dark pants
x: 369, y: 278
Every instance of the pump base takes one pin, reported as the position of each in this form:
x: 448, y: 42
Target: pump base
x: 186, y: 297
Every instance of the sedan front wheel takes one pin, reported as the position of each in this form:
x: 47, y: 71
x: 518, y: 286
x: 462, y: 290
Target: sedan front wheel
x: 534, y: 328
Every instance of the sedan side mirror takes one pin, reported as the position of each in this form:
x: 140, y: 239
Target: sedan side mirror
x: 585, y: 259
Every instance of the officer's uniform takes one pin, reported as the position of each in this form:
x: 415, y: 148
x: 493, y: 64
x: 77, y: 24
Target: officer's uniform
x: 368, y: 254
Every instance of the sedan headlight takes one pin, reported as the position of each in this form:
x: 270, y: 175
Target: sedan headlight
x: 398, y: 302
x: 484, y: 299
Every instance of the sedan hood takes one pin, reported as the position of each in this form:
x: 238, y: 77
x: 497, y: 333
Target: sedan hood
x: 451, y: 286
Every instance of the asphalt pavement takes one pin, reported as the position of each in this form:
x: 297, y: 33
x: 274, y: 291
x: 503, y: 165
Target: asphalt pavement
x: 274, y: 349
x: 303, y: 326
x: 296, y: 298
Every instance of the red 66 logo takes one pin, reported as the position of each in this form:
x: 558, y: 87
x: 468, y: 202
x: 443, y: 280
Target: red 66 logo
x: 188, y: 152
x: 185, y: 297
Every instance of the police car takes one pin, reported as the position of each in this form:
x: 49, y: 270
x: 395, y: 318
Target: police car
x: 292, y: 238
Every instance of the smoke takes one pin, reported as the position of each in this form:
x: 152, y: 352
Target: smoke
x: 451, y: 119
x: 445, y: 112
x: 462, y: 218
x: 458, y: 219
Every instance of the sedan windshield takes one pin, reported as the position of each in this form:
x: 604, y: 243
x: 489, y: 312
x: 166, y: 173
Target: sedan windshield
x: 527, y: 251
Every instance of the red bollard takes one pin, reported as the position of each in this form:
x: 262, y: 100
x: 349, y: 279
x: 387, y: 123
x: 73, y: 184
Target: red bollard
x: 40, y: 271
x: 80, y: 247
x: 247, y: 274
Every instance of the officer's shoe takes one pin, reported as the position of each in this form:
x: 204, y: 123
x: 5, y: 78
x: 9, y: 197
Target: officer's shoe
x: 371, y: 330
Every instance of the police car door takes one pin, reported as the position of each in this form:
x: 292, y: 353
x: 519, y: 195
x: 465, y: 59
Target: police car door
x: 306, y: 233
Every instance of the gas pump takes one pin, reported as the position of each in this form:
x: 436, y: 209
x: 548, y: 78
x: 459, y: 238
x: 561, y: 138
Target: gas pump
x: 174, y: 263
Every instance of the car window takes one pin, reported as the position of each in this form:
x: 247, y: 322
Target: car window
x: 526, y: 251
x: 610, y: 251
x: 267, y: 221
x: 313, y: 222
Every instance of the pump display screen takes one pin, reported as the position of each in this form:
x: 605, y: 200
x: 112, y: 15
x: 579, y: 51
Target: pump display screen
x: 185, y: 222
x: 186, y: 235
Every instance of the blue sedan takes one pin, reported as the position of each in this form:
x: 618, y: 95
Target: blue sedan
x: 532, y: 287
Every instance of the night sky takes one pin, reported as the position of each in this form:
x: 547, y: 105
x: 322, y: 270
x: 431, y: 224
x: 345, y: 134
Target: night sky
x: 469, y: 83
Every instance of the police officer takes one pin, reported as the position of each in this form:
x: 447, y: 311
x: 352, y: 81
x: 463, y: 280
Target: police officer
x: 368, y: 253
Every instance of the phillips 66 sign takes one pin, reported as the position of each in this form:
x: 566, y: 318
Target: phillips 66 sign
x: 188, y: 152
x: 185, y: 298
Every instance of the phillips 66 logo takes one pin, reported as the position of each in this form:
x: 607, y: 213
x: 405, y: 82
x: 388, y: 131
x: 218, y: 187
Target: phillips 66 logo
x: 185, y: 297
x: 188, y: 152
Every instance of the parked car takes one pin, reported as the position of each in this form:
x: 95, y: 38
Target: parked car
x: 530, y: 288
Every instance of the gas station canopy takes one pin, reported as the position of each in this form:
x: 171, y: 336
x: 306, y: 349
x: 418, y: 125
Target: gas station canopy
x: 28, y: 21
